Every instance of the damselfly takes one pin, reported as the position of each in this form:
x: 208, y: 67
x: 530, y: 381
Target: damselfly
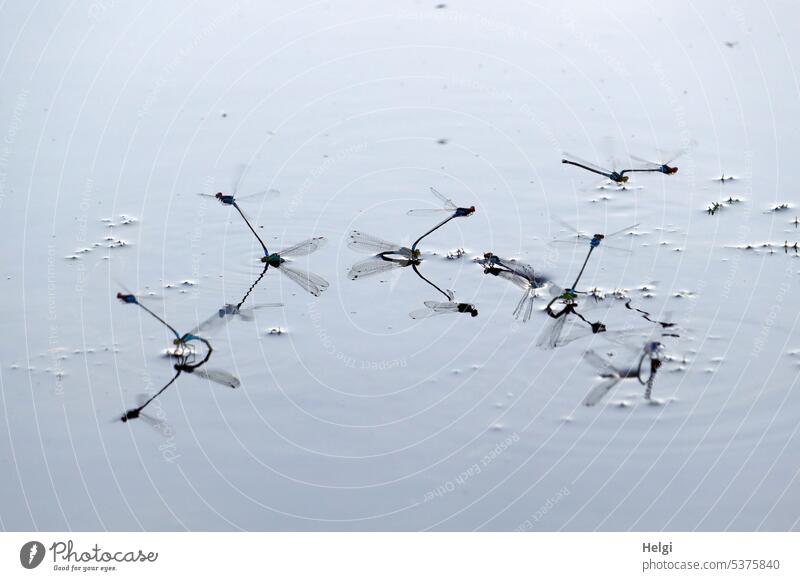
x: 612, y: 174
x: 185, y: 354
x: 185, y: 366
x: 665, y: 167
x: 553, y: 335
x: 232, y: 199
x: 433, y: 308
x: 386, y: 255
x: 313, y: 283
x: 449, y: 207
x: 519, y: 274
x: 644, y: 372
x: 594, y: 241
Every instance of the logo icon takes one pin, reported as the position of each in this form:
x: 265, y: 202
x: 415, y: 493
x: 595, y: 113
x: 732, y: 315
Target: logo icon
x: 31, y: 554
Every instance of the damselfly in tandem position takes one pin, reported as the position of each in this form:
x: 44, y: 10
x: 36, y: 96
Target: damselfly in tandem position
x: 310, y: 282
x: 185, y: 353
x: 450, y: 208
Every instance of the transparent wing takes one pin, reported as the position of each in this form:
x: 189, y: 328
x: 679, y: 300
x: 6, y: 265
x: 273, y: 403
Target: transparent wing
x: 448, y: 203
x: 238, y: 176
x: 521, y: 269
x: 442, y: 307
x: 260, y: 193
x: 218, y: 319
x: 575, y: 243
x: 217, y: 376
x: 434, y: 308
x: 645, y: 164
x: 429, y: 212
x: 363, y: 242
x: 212, y: 196
x: 524, y: 308
x: 622, y: 231
x: 248, y: 314
x: 599, y: 391
x: 515, y: 279
x: 372, y: 266
x: 304, y: 248
x: 311, y: 282
x: 549, y: 337
x: 601, y: 365
x: 589, y: 165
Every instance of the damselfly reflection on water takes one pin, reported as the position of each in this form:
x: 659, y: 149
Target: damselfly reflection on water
x: 433, y: 308
x: 185, y: 353
x: 441, y: 308
x: 644, y: 371
x: 553, y: 335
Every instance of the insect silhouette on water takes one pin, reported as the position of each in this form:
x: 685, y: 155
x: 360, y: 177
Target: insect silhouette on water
x: 433, y: 308
x: 184, y: 352
x: 650, y: 361
x: 553, y: 335
x: 440, y: 308
x: 386, y: 256
x: 519, y: 274
x: 312, y: 283
x: 450, y: 208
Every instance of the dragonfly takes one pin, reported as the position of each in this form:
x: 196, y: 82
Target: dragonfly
x: 312, y: 283
x: 613, y: 175
x: 593, y: 242
x: 519, y: 274
x: 652, y: 354
x: 386, y: 256
x: 233, y: 198
x: 450, y: 208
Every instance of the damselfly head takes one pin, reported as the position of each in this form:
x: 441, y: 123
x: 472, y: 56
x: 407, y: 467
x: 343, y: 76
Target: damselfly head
x: 670, y: 170
x: 598, y: 327
x: 219, y: 195
x: 468, y: 308
x: 653, y: 348
x: 130, y: 415
x: 623, y: 179
x: 126, y: 298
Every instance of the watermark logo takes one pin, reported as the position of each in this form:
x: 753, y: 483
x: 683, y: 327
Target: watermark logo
x: 31, y: 554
